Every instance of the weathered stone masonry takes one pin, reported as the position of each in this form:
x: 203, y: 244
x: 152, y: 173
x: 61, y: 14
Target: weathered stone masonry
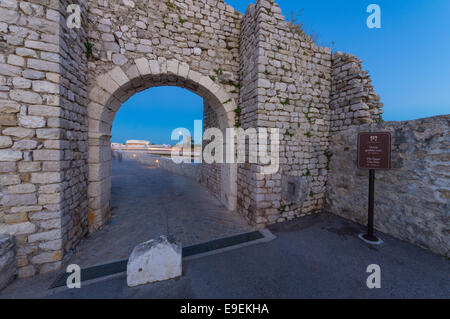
x: 353, y: 100
x: 43, y: 75
x: 8, y: 267
x: 193, y: 49
x: 211, y: 173
x: 58, y: 105
x: 412, y: 199
x: 60, y: 89
x: 286, y: 85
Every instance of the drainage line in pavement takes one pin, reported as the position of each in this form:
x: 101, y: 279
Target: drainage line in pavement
x: 121, y: 266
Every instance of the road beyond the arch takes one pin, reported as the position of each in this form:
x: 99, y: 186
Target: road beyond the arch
x: 147, y: 202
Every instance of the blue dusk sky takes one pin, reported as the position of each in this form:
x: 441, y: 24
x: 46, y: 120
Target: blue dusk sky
x: 408, y: 60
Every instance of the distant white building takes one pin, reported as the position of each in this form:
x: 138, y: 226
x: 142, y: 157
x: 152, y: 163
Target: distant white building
x: 140, y: 143
x: 161, y: 146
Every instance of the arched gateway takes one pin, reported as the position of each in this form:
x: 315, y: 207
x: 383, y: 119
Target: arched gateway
x: 114, y: 88
x: 61, y: 85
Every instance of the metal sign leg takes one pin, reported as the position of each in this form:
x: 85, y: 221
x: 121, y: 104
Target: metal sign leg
x: 370, y: 237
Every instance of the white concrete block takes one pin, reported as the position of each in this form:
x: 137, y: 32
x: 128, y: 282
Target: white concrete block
x: 155, y: 260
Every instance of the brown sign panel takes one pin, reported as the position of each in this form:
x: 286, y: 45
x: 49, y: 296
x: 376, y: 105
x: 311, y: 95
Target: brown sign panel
x: 374, y: 150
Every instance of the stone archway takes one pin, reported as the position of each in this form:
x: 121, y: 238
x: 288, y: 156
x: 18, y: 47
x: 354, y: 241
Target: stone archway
x: 55, y: 138
x: 114, y: 88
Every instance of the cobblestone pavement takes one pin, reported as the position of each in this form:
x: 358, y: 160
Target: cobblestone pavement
x: 148, y: 202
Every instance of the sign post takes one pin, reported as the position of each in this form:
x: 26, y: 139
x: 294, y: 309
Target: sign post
x: 374, y: 153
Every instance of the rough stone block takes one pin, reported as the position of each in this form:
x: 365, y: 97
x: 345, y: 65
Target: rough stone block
x: 18, y: 132
x: 8, y: 119
x: 18, y: 229
x: 172, y: 67
x: 25, y: 145
x: 45, y: 178
x: 5, y: 141
x: 8, y: 167
x: 98, y: 95
x: 45, y: 236
x: 183, y: 70
x: 7, y: 106
x: 47, y: 155
x: 6, y: 180
x: 155, y: 260
x: 31, y: 121
x: 295, y: 189
x: 106, y: 82
x: 8, y: 268
x: 143, y: 66
x: 154, y: 67
x: 16, y: 218
x: 118, y: 76
x: 10, y: 155
x: 25, y: 96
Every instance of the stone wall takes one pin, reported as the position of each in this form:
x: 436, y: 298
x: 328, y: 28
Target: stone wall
x: 286, y: 83
x: 58, y: 102
x: 72, y: 138
x: 248, y: 100
x: 8, y: 267
x: 211, y: 173
x: 43, y: 132
x: 202, y: 33
x: 353, y: 100
x: 412, y: 199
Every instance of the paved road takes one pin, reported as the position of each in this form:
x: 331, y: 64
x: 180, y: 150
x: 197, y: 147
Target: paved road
x: 313, y: 257
x: 148, y: 202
